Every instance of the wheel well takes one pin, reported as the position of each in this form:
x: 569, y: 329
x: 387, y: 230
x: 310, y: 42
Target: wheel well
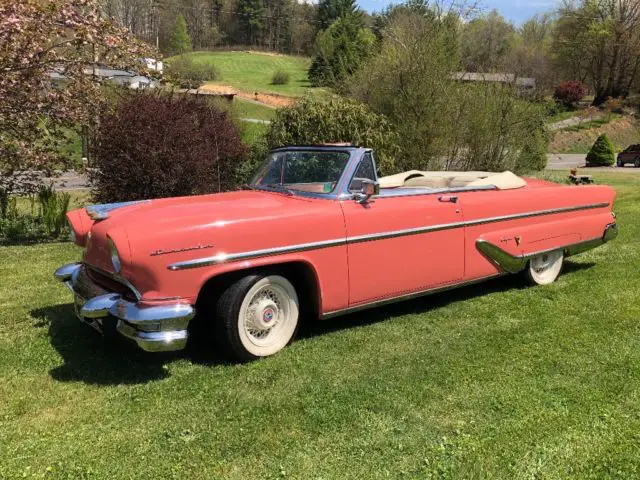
x: 300, y: 274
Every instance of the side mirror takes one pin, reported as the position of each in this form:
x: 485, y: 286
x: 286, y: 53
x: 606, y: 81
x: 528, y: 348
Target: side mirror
x: 368, y: 188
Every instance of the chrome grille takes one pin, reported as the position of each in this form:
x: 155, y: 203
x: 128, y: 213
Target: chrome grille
x: 93, y: 280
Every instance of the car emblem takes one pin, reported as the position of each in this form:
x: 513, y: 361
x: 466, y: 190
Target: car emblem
x: 178, y: 250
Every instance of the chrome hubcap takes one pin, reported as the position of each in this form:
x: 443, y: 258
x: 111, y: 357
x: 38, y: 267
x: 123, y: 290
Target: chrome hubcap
x: 543, y: 262
x: 546, y: 267
x: 264, y: 313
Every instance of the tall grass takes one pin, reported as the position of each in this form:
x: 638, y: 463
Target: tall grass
x: 36, y: 217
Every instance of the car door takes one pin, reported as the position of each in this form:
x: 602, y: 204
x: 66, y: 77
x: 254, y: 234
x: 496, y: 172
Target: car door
x: 398, y: 245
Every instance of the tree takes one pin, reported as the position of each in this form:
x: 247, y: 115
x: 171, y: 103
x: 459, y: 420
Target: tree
x: 278, y: 19
x: 531, y: 52
x: 486, y: 43
x: 252, y: 17
x: 599, y: 41
x: 47, y: 50
x: 443, y: 123
x: 340, y: 49
x: 330, y: 10
x: 180, y: 41
x: 602, y: 152
x: 301, y: 33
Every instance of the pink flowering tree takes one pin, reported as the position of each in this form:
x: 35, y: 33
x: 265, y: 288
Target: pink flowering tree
x: 47, y: 51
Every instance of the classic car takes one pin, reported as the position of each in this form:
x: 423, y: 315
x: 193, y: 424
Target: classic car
x: 317, y: 234
x: 631, y: 154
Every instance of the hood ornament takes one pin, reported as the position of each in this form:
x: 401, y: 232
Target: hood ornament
x: 101, y: 212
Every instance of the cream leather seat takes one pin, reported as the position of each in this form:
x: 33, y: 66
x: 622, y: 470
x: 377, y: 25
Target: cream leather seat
x: 424, y: 179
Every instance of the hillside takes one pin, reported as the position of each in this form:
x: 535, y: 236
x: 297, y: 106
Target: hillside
x: 622, y: 132
x: 252, y: 71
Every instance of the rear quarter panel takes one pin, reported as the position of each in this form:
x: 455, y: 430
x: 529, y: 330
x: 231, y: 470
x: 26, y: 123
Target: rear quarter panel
x: 591, y: 212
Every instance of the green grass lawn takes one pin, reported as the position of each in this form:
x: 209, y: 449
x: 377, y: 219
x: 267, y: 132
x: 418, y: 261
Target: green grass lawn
x: 490, y: 381
x: 245, y: 109
x: 586, y: 125
x: 253, y: 71
x: 564, y: 115
x: 252, y: 132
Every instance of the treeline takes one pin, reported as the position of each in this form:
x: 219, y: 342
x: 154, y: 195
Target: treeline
x: 285, y: 26
x: 594, y: 42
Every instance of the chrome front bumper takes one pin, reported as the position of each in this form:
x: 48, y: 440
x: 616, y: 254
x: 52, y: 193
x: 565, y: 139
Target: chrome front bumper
x: 155, y: 328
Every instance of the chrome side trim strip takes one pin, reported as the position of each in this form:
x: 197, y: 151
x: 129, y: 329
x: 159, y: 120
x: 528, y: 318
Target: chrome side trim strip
x: 537, y: 213
x: 232, y: 257
x: 267, y: 252
x: 408, y: 296
x: 516, y: 263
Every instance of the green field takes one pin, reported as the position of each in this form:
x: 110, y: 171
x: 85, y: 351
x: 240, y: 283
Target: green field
x: 252, y: 132
x: 564, y: 115
x: 253, y: 71
x: 245, y: 109
x: 492, y: 381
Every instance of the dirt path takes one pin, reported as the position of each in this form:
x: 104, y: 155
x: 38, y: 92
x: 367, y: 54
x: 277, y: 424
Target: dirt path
x: 569, y: 122
x: 270, y: 100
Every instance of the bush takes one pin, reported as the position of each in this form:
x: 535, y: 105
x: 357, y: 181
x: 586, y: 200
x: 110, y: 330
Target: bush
x: 602, y: 152
x: 155, y: 145
x: 569, y: 93
x: 187, y: 73
x: 313, y: 121
x: 53, y: 208
x: 45, y: 222
x: 280, y: 78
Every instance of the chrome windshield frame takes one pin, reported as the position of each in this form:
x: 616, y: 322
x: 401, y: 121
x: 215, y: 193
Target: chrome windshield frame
x: 341, y: 190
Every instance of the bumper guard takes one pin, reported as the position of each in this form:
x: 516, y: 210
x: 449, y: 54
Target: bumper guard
x: 155, y: 328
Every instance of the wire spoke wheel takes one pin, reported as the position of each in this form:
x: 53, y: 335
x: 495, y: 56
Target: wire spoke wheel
x: 268, y: 316
x: 545, y: 268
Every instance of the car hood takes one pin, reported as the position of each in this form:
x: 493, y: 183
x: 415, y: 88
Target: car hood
x: 174, y: 223
x: 196, y: 211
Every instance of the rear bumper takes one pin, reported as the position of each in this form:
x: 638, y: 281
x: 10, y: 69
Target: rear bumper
x: 154, y: 327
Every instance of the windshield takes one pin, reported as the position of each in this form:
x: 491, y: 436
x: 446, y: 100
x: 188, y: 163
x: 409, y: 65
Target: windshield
x: 307, y: 171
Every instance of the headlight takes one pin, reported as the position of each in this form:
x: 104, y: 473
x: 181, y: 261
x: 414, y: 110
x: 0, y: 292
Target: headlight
x: 115, y: 258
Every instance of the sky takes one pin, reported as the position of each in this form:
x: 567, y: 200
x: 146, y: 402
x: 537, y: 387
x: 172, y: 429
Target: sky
x: 516, y: 11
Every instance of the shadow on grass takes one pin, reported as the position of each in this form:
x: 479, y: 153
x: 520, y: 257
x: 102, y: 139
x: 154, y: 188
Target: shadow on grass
x: 91, y: 359
x: 425, y: 303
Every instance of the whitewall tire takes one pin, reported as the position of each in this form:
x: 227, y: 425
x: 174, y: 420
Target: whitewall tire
x: 543, y: 269
x: 258, y: 315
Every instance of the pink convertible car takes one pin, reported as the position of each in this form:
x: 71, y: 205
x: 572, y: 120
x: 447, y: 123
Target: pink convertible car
x: 315, y: 235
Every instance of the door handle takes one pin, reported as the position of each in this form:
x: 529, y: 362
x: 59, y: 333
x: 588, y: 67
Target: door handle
x: 448, y: 198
